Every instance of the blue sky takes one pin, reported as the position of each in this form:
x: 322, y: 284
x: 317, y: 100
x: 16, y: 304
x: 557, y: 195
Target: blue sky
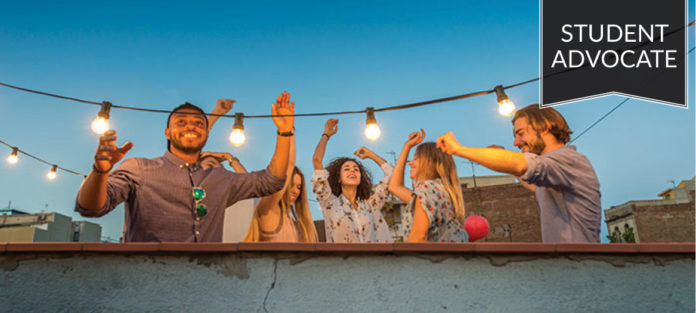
x: 329, y: 56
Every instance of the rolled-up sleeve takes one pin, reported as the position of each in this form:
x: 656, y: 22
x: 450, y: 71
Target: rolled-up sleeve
x: 321, y: 187
x: 120, y: 185
x: 255, y: 184
x: 380, y: 192
x: 550, y: 170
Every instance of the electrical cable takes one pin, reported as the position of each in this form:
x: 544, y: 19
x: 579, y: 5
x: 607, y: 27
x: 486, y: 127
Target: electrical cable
x: 42, y: 160
x: 610, y: 111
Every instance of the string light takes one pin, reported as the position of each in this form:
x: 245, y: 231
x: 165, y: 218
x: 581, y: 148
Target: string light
x: 237, y: 137
x: 372, y: 131
x: 101, y: 124
x: 52, y: 173
x: 16, y: 151
x: 505, y: 106
x: 13, y: 158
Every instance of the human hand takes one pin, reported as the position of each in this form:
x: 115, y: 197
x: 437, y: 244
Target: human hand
x: 283, y: 106
x: 108, y: 153
x: 414, y: 139
x: 447, y: 143
x: 331, y: 127
x: 222, y: 106
x: 363, y: 153
x: 220, y: 156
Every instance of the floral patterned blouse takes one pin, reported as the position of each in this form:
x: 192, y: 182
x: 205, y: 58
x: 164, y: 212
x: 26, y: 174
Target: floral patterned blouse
x: 345, y: 224
x: 436, y: 202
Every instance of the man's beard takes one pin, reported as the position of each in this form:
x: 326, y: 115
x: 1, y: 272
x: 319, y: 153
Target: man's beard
x: 538, y: 146
x: 188, y: 150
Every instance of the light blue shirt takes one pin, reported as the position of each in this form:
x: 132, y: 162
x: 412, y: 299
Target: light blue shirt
x: 567, y: 191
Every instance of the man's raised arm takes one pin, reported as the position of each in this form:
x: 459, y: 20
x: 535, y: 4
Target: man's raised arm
x: 92, y: 194
x: 499, y: 160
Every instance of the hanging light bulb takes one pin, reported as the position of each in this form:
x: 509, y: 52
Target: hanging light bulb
x: 12, y: 158
x: 52, y: 173
x: 237, y: 137
x: 101, y: 123
x: 505, y: 106
x: 372, y: 131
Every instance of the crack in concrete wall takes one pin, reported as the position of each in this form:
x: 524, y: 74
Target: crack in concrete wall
x: 275, y: 277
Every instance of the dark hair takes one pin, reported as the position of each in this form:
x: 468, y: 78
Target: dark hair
x: 186, y: 105
x: 545, y: 119
x: 334, y: 169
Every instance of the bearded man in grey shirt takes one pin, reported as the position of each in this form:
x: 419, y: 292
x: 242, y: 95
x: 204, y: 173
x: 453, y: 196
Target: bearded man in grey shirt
x: 172, y: 197
x: 565, y: 184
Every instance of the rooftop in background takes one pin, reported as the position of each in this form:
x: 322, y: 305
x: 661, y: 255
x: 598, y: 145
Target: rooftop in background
x: 670, y: 219
x: 482, y: 181
x: 7, y: 211
x: 46, y: 227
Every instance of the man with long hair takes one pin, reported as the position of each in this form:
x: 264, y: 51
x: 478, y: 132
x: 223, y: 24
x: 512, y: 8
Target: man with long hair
x: 173, y: 197
x: 563, y: 180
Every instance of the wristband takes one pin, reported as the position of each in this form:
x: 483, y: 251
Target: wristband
x: 327, y: 135
x: 94, y: 168
x: 286, y: 134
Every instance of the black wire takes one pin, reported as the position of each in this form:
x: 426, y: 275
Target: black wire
x: 390, y: 108
x: 599, y: 120
x: 42, y: 160
x: 50, y: 94
x: 396, y: 107
x: 611, y: 111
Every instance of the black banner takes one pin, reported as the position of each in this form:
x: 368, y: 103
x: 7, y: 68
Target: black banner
x: 595, y: 48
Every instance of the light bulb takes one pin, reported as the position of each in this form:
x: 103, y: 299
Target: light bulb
x: 100, y: 125
x: 372, y: 131
x: 52, y: 173
x: 12, y: 158
x: 237, y: 137
x: 506, y: 108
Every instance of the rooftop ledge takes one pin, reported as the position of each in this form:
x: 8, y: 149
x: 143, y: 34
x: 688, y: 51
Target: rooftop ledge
x: 325, y: 277
x: 354, y: 248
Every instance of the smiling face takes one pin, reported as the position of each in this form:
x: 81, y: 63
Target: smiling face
x: 526, y: 138
x: 350, y: 174
x: 187, y: 133
x: 294, y: 189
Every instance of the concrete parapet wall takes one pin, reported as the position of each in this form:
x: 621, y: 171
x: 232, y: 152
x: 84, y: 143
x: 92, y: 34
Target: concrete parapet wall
x: 357, y: 278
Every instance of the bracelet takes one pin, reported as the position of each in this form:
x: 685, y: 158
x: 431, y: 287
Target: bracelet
x: 327, y: 135
x: 94, y: 168
x: 286, y: 134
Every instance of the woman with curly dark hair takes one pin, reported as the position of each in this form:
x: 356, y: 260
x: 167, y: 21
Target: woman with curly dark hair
x: 352, y: 209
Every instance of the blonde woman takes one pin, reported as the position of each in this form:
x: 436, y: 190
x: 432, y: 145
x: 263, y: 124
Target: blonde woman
x: 281, y: 217
x: 284, y: 216
x: 435, y: 211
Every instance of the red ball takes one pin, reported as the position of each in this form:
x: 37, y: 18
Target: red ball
x: 476, y: 227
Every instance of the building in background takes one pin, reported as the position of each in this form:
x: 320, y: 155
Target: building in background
x: 670, y: 219
x: 511, y: 210
x: 17, y: 226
